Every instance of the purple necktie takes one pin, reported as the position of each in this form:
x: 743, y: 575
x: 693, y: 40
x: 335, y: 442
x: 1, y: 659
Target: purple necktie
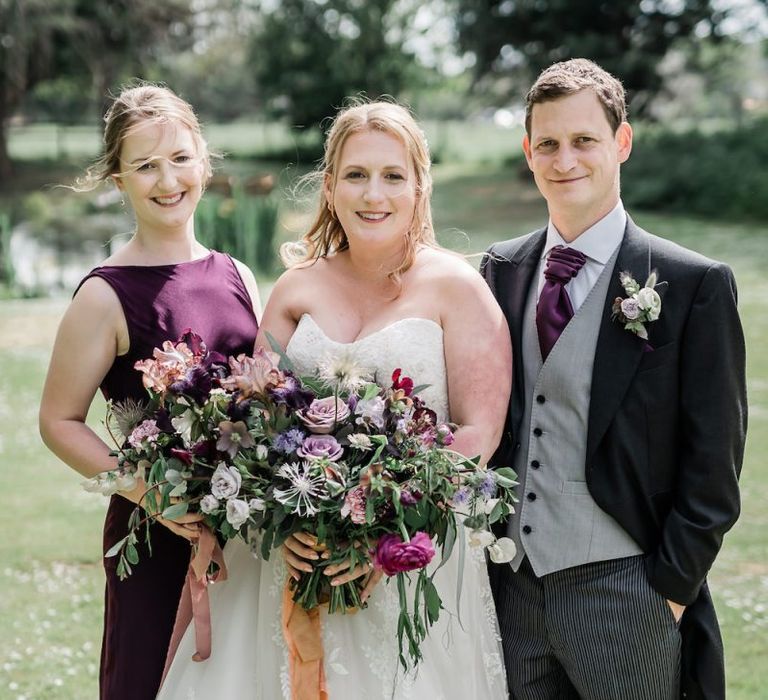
x: 554, y: 309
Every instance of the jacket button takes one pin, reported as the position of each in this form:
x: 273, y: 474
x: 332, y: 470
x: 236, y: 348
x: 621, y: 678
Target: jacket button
x: 537, y: 432
x: 531, y: 496
x: 517, y: 446
x: 535, y: 464
x: 540, y: 398
x: 527, y: 530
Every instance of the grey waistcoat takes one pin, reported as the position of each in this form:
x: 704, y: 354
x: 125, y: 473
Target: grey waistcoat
x: 567, y: 528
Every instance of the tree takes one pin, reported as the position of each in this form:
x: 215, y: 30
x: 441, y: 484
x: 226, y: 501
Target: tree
x: 626, y: 37
x: 308, y: 55
x: 92, y: 42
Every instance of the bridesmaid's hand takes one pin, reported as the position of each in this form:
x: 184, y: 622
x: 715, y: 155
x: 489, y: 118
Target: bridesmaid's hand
x: 299, y: 551
x: 186, y: 526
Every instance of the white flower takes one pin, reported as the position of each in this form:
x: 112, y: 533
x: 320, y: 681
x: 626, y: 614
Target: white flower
x: 360, y: 441
x: 125, y: 481
x: 261, y: 452
x: 303, y: 489
x: 256, y: 504
x: 371, y: 411
x: 183, y: 425
x: 341, y: 370
x: 226, y: 481
x: 237, y: 512
x: 630, y: 308
x: 502, y: 550
x: 209, y: 504
x: 649, y: 301
x: 481, y: 538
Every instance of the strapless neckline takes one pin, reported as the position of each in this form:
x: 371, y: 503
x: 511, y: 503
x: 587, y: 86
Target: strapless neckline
x: 373, y: 334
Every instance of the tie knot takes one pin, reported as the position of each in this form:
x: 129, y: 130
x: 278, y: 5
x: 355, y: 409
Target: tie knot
x: 563, y: 264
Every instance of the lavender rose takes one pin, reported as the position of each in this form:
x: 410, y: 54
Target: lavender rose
x: 323, y: 414
x: 238, y: 512
x: 394, y: 556
x: 631, y: 309
x: 226, y: 481
x: 319, y: 446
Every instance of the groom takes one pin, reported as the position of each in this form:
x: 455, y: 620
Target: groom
x: 626, y: 425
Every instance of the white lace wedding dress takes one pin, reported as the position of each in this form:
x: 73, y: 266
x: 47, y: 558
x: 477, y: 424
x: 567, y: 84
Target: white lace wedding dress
x: 462, y: 655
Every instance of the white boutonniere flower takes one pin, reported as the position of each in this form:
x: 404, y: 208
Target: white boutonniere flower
x: 642, y: 305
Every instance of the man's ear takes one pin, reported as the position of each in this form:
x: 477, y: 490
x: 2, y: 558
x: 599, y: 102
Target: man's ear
x: 624, y: 141
x: 527, y: 150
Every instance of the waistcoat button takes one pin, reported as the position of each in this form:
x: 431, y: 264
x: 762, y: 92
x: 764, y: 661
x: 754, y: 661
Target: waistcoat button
x: 537, y: 432
x: 527, y: 530
x: 535, y: 464
x: 531, y: 496
x: 540, y: 398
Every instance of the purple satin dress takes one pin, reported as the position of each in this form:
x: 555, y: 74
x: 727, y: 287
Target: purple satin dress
x: 159, y: 303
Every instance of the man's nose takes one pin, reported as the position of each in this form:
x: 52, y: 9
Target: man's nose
x: 565, y: 160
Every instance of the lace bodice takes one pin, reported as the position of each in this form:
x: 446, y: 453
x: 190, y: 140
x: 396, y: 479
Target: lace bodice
x: 415, y: 345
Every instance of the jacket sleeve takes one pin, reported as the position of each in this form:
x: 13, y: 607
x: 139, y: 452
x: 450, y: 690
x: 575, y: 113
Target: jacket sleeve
x: 713, y: 422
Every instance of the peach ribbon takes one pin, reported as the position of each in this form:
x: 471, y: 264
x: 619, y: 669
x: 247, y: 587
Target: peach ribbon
x: 301, y: 630
x: 194, y: 605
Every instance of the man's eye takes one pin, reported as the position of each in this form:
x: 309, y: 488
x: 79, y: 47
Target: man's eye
x: 547, y: 145
x: 584, y: 140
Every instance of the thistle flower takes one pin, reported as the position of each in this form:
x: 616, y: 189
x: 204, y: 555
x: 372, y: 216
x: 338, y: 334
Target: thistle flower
x: 126, y: 415
x: 304, y: 489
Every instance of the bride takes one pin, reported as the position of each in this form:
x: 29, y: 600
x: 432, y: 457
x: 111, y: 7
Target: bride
x: 368, y: 281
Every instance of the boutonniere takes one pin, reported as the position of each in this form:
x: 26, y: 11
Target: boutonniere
x: 642, y: 304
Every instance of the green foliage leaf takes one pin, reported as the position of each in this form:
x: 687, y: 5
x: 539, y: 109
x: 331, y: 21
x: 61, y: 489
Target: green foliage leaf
x: 177, y: 510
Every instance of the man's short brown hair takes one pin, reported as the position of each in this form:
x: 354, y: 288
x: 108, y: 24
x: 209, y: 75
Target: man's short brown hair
x: 569, y: 77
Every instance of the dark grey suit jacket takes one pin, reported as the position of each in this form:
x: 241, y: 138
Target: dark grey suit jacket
x: 666, y: 427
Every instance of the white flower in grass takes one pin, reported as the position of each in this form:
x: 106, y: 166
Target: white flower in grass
x: 304, y: 490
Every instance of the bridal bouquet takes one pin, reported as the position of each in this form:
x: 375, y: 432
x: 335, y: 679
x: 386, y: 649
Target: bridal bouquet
x: 265, y: 453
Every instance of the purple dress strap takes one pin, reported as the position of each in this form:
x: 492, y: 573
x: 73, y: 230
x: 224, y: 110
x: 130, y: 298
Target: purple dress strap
x: 159, y: 303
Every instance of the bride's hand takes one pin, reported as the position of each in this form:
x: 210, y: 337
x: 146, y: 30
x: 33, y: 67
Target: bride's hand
x: 299, y: 551
x: 365, y: 569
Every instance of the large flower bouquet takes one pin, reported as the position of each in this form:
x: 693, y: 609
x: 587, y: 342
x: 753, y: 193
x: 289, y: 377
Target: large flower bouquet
x: 262, y: 452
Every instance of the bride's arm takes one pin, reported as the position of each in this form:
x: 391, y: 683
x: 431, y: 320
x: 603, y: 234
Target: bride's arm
x: 478, y: 358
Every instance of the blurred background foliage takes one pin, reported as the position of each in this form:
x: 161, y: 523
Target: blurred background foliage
x: 265, y: 74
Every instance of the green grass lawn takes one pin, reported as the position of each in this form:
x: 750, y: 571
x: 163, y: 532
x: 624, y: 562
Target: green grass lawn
x: 51, y: 584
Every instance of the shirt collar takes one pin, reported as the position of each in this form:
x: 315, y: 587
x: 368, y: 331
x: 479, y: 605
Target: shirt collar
x: 599, y: 241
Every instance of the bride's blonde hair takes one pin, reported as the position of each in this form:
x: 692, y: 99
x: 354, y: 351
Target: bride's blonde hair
x: 326, y: 235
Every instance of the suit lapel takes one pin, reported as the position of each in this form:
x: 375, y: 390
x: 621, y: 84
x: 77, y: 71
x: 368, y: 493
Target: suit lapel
x: 513, y: 284
x: 618, y: 351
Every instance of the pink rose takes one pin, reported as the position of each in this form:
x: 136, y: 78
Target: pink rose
x: 323, y: 414
x: 395, y: 556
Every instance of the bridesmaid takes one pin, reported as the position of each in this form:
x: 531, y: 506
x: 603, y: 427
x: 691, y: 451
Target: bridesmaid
x: 162, y: 282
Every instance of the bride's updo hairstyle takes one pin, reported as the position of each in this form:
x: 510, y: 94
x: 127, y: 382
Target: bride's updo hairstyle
x: 326, y: 235
x: 134, y: 107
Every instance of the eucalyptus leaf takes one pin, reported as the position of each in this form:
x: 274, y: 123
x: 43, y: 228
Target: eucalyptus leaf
x: 177, y: 510
x: 115, y: 548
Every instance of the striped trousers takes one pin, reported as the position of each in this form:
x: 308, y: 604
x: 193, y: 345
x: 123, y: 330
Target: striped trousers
x: 596, y: 631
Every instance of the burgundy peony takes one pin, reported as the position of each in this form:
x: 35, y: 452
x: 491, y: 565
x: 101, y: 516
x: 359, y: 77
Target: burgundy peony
x: 394, y: 556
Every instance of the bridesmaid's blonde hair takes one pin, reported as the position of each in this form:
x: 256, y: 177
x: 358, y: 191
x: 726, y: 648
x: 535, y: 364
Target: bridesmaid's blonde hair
x: 326, y: 235
x: 135, y: 106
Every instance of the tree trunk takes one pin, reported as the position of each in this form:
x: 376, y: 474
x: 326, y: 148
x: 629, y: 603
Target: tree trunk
x: 5, y: 159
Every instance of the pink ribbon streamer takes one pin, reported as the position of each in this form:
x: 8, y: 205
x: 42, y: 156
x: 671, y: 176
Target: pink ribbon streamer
x: 194, y: 604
